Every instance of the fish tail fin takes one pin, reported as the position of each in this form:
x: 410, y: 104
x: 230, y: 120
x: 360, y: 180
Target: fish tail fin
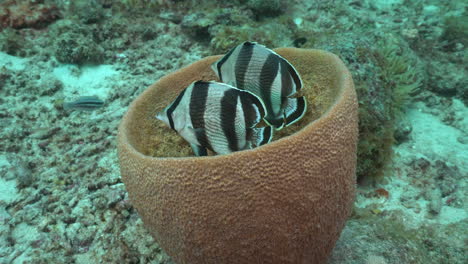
x: 294, y: 110
x: 262, y: 135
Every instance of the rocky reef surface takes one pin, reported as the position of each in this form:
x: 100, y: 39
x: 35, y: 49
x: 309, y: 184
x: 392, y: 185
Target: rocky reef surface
x: 61, y: 196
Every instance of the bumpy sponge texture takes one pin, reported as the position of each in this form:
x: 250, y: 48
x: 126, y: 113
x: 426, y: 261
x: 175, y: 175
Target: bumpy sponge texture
x: 284, y: 202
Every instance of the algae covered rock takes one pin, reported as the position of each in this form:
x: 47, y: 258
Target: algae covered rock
x: 78, y: 49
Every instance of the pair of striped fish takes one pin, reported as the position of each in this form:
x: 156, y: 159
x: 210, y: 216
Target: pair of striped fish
x: 257, y: 84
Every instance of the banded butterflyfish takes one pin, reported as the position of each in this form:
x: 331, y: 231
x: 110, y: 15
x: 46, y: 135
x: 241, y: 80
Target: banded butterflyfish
x: 255, y: 68
x: 218, y: 117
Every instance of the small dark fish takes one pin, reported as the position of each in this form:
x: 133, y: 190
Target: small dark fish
x: 217, y: 116
x: 85, y: 103
x: 257, y: 69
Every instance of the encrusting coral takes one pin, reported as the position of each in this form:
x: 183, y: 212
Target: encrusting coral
x: 284, y: 202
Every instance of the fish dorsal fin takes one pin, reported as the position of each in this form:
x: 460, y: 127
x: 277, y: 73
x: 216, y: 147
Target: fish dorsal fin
x: 242, y: 61
x: 197, y: 108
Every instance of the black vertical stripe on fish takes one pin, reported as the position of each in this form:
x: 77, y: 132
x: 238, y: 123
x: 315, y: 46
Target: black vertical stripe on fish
x: 267, y: 77
x: 267, y: 133
x: 254, y: 111
x: 242, y: 63
x: 173, y: 107
x: 222, y: 61
x: 228, y: 118
x: 286, y: 81
x: 294, y: 76
x: 199, y: 150
x: 251, y: 116
x: 197, y: 108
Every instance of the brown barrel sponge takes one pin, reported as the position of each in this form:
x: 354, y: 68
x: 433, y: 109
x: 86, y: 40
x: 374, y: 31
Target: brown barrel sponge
x: 284, y: 202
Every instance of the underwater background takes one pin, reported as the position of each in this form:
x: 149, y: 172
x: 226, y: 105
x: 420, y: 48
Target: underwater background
x: 69, y: 70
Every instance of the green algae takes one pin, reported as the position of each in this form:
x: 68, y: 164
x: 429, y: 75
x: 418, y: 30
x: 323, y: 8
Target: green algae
x: 382, y: 102
x: 455, y: 31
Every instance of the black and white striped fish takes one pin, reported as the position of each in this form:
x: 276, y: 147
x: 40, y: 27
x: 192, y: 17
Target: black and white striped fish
x: 255, y: 68
x: 217, y: 116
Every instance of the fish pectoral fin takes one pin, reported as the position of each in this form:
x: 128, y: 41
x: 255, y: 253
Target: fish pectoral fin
x: 188, y: 133
x: 262, y: 135
x: 199, y: 150
x: 294, y: 110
